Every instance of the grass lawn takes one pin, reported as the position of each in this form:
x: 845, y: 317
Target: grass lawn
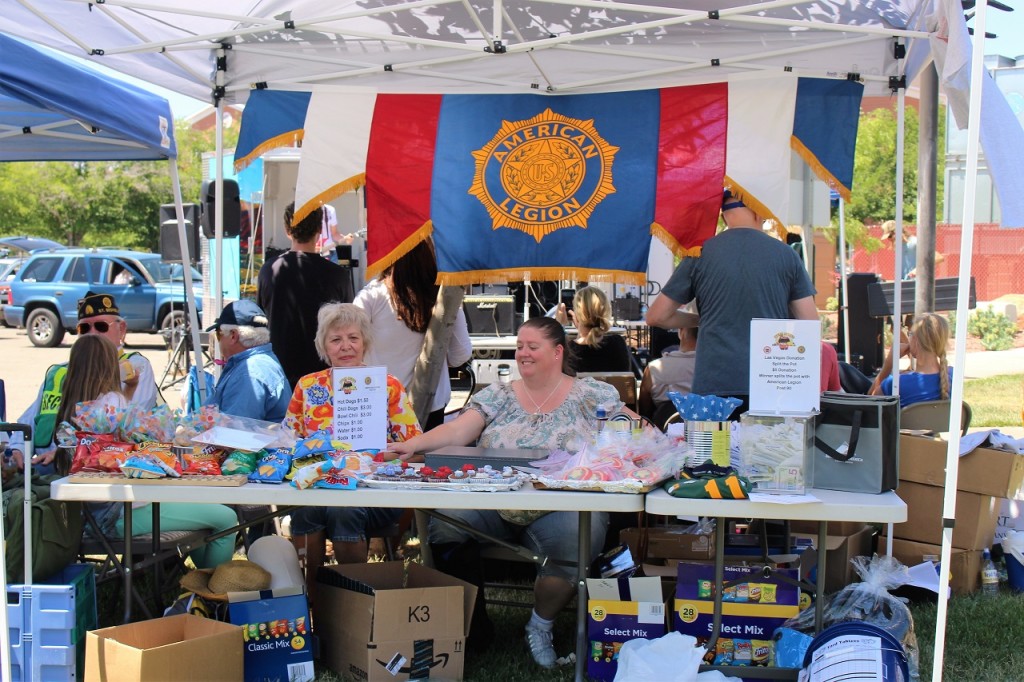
x: 995, y: 401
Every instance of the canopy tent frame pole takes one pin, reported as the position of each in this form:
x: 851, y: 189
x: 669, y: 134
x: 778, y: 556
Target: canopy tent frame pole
x: 186, y: 265
x: 843, y: 275
x: 956, y: 395
x: 218, y: 296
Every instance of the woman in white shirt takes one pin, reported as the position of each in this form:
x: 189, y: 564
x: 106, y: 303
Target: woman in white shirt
x: 399, y: 304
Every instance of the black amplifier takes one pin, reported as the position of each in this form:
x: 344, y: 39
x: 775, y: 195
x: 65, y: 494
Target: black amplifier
x: 490, y: 315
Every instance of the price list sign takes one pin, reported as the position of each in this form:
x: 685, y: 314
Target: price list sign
x: 361, y: 406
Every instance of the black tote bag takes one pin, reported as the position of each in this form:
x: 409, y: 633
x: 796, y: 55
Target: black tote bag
x: 856, y: 443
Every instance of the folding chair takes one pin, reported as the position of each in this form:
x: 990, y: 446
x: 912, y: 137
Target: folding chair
x: 624, y: 383
x: 933, y: 415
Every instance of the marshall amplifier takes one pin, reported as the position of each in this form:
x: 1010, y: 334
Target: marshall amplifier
x: 490, y: 315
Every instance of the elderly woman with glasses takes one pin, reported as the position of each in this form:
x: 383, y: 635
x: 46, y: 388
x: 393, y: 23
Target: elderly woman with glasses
x: 343, y: 337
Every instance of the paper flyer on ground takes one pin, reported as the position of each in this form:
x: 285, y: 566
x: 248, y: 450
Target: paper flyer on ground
x: 361, y: 406
x: 785, y: 366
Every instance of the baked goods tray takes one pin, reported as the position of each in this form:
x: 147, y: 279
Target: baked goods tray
x: 488, y: 487
x: 631, y: 486
x: 223, y: 481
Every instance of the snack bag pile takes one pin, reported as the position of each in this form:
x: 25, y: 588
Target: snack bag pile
x: 647, y: 456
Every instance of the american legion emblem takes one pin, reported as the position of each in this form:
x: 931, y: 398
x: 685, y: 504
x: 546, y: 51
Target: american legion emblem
x: 544, y: 173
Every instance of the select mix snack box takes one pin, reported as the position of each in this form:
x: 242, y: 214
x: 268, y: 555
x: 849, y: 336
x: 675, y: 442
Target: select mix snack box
x: 753, y: 606
x: 618, y: 610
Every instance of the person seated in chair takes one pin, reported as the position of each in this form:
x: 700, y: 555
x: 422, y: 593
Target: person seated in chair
x: 252, y: 383
x: 547, y: 409
x: 930, y: 373
x: 673, y: 371
x: 594, y: 349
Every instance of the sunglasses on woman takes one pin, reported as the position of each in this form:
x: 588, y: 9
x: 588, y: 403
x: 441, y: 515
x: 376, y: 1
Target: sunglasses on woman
x: 100, y: 326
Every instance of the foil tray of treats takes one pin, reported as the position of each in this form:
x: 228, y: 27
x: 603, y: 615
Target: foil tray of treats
x: 405, y: 476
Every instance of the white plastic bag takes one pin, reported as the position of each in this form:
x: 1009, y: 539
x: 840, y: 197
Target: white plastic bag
x: 672, y: 658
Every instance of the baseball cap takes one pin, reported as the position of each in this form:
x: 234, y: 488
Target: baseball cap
x: 94, y: 304
x: 240, y: 314
x: 731, y: 201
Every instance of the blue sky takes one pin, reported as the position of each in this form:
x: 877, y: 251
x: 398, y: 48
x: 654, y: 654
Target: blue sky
x: 1008, y: 26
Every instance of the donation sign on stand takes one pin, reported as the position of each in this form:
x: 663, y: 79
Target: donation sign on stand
x: 361, y: 406
x: 785, y: 366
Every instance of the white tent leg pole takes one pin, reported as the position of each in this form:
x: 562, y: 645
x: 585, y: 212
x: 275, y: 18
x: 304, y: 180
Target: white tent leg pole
x: 186, y: 265
x: 897, y: 299
x: 962, y: 297
x: 218, y: 283
x: 842, y: 277
x: 6, y: 660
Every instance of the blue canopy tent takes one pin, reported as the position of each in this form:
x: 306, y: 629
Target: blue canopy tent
x: 55, y: 109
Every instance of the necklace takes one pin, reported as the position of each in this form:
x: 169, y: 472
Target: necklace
x: 539, y: 407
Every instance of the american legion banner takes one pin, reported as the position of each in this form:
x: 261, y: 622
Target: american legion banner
x: 517, y: 186
x: 552, y: 187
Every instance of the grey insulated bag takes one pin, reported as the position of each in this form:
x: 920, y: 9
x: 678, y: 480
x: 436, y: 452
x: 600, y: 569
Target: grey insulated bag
x: 856, y: 443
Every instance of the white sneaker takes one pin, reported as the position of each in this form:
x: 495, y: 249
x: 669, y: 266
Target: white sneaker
x: 542, y: 648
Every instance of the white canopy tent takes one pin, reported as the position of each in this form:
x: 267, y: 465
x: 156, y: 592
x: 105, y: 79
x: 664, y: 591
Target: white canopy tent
x: 222, y: 50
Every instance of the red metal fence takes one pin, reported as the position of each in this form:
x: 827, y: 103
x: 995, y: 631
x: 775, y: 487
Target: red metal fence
x: 998, y: 260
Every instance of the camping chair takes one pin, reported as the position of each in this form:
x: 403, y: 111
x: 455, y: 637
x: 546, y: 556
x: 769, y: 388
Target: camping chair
x: 624, y: 383
x: 933, y: 415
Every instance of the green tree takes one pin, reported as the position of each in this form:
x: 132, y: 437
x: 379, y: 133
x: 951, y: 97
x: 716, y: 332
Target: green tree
x: 101, y: 203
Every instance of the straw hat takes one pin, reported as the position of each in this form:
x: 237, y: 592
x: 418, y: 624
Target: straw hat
x: 231, y: 576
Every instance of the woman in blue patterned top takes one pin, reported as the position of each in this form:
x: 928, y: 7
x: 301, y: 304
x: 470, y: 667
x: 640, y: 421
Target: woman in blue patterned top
x: 547, y: 409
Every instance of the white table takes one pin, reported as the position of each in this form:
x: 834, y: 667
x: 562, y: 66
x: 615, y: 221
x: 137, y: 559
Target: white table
x: 834, y: 505
x: 258, y: 494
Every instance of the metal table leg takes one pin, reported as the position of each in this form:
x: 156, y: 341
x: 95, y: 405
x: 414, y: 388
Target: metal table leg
x: 581, y: 595
x: 126, y: 562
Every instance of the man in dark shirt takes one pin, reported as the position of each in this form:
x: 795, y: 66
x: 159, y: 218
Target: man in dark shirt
x: 292, y: 287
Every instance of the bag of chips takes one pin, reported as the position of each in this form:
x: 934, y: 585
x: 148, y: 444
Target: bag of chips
x: 99, y: 452
x: 272, y: 466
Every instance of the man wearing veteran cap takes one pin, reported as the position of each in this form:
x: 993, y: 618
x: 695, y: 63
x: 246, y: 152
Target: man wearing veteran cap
x: 252, y: 383
x: 97, y: 314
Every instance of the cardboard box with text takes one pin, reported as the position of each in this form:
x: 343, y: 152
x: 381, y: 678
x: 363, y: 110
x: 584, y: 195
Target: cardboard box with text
x: 668, y: 542
x: 618, y: 610
x: 276, y: 629
x: 386, y: 621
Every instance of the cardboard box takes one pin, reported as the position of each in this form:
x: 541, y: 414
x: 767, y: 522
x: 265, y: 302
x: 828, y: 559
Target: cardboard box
x: 846, y: 528
x: 840, y: 550
x: 1011, y: 517
x: 276, y: 629
x: 751, y: 609
x: 983, y: 471
x: 618, y: 610
x: 669, y: 542
x: 386, y: 621
x: 976, y: 516
x: 964, y: 565
x: 175, y: 648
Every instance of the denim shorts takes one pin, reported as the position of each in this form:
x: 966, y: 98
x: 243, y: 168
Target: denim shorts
x: 553, y: 535
x: 343, y: 524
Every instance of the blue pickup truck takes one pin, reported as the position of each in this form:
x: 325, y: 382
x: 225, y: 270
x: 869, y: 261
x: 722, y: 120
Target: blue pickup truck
x: 44, y: 296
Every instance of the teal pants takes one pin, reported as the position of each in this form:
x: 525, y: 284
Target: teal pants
x: 178, y: 516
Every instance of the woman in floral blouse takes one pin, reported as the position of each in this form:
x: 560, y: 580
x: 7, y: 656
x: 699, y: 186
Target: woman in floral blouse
x: 343, y: 336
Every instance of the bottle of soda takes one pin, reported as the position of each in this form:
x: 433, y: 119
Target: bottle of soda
x: 989, y: 574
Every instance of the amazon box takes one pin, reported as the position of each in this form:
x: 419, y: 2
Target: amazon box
x: 618, y: 610
x: 388, y: 621
x: 983, y: 470
x: 183, y: 647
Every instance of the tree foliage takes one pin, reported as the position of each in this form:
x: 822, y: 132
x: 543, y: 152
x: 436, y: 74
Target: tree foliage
x: 101, y: 203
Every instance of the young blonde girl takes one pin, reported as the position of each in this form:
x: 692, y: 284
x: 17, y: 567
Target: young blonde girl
x: 930, y: 373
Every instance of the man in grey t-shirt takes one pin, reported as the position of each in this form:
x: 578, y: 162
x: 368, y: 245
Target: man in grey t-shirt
x: 741, y: 274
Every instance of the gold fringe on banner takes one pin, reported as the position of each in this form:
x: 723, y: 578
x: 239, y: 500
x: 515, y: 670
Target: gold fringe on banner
x: 823, y: 174
x: 332, y: 192
x: 755, y: 205
x: 289, y: 139
x: 677, y: 249
x: 407, y: 245
x: 547, y: 274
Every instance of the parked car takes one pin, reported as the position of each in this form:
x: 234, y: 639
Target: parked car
x: 44, y: 295
x: 8, y: 269
x: 24, y: 245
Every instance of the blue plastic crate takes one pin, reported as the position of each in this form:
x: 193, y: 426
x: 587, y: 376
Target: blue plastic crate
x: 48, y: 622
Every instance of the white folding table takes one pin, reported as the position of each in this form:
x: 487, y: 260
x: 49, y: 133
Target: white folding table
x: 526, y: 497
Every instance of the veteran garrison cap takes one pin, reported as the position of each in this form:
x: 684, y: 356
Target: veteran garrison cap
x: 97, y: 304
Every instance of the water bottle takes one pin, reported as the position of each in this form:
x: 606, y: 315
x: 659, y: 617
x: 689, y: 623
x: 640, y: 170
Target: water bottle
x: 989, y: 574
x: 600, y: 420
